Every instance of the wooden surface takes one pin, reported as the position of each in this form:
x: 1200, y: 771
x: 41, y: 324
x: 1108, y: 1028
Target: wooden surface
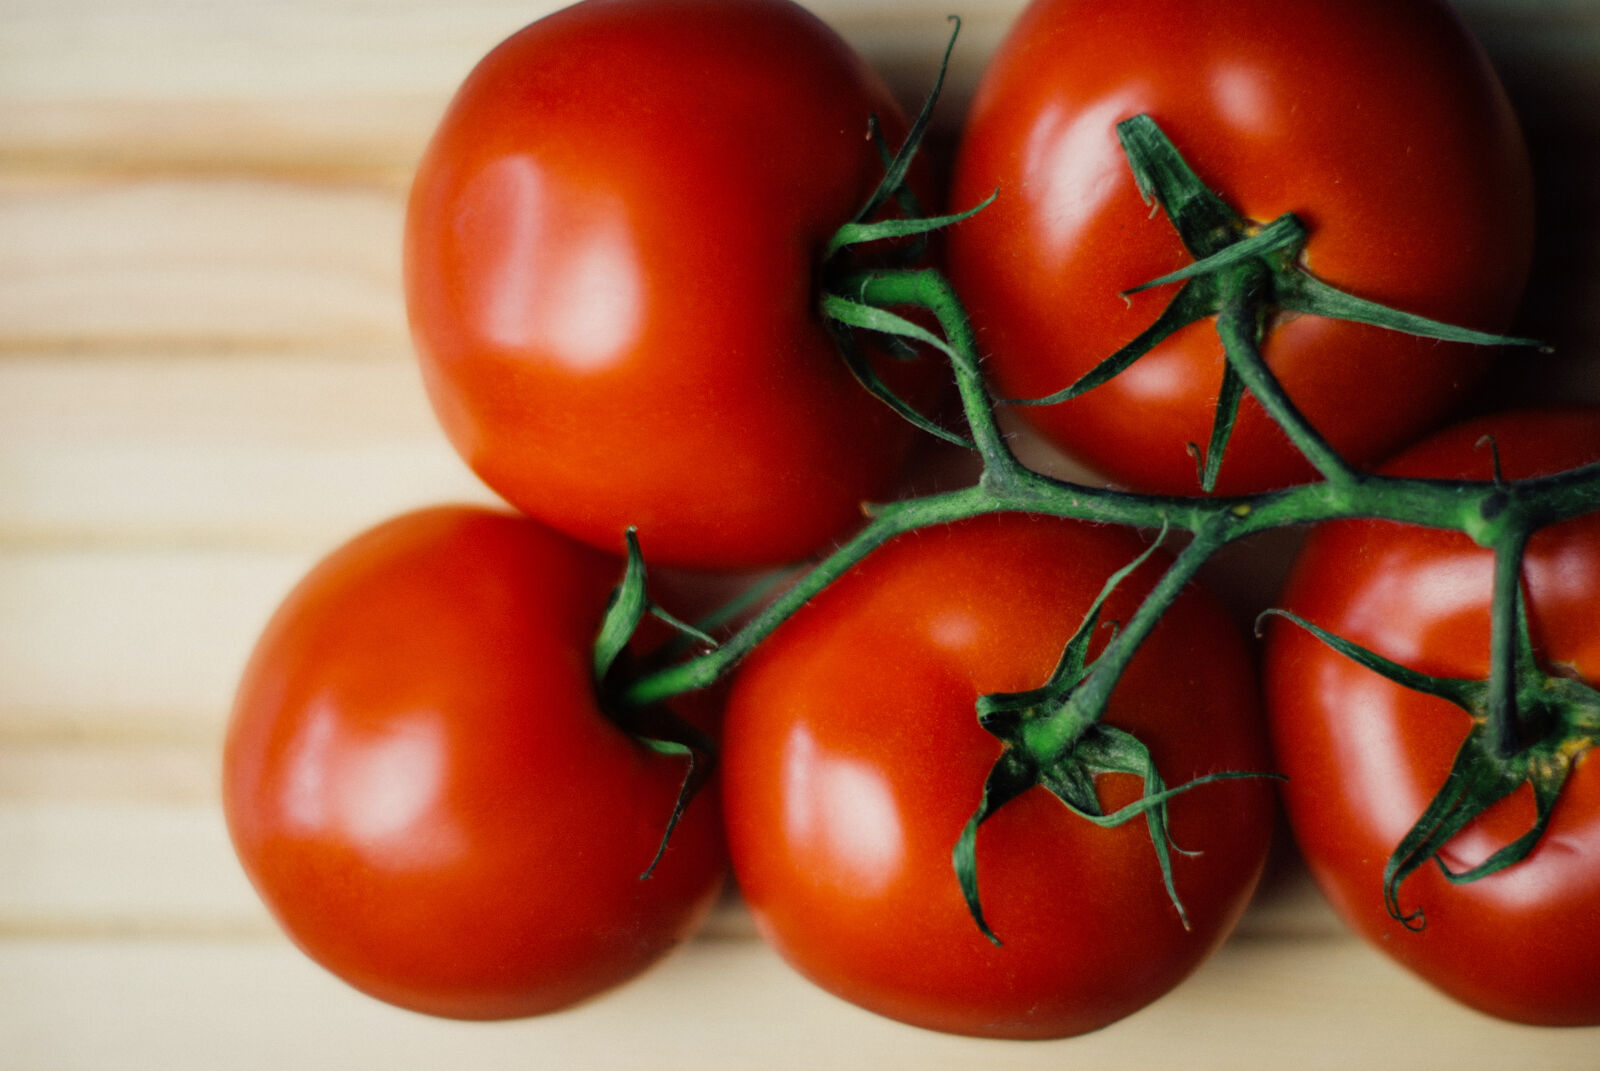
x: 205, y: 383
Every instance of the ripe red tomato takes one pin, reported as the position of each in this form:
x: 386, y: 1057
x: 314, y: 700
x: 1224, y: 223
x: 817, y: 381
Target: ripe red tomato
x: 1378, y: 122
x: 853, y: 758
x: 423, y: 790
x: 611, y: 256
x: 1364, y: 756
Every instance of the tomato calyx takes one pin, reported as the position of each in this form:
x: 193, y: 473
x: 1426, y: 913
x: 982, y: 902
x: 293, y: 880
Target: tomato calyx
x: 1553, y: 718
x: 654, y: 726
x: 841, y: 303
x: 1053, y: 739
x: 1245, y: 274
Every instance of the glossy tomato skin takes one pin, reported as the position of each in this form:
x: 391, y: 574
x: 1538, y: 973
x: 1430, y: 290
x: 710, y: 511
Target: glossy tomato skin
x: 1378, y: 122
x: 1364, y: 756
x: 612, y: 251
x: 853, y: 758
x: 423, y: 791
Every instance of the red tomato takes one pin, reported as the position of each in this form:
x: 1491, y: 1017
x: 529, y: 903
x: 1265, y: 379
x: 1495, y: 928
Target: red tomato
x: 423, y: 790
x: 612, y: 256
x: 1364, y: 755
x: 853, y: 758
x: 1378, y: 122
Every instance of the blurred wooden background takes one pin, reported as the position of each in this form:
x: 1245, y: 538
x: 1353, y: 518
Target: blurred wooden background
x: 205, y: 383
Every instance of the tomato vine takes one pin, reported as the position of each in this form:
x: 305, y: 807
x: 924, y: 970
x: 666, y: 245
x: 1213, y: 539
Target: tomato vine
x: 1530, y: 725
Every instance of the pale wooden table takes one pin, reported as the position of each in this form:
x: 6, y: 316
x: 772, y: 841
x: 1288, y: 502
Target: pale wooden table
x: 205, y: 383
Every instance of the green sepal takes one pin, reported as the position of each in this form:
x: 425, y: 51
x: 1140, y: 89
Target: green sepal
x: 1101, y: 749
x: 1196, y: 300
x: 1008, y: 778
x: 854, y: 233
x: 872, y: 318
x: 626, y: 608
x: 699, y: 754
x: 849, y: 313
x: 1230, y: 393
x: 1301, y: 292
x: 1480, y: 775
x: 904, y: 195
x: 1107, y: 749
x: 654, y: 727
x: 1028, y: 725
x: 894, y: 177
x: 759, y: 589
x: 1206, y: 224
x: 1241, y: 262
x: 1070, y: 668
x: 1468, y: 694
x: 629, y: 603
x: 1284, y: 233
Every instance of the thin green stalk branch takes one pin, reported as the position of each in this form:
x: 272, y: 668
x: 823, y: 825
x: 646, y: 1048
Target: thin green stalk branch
x: 1007, y: 485
x: 928, y: 290
x: 1505, y: 623
x: 891, y: 520
x: 1089, y: 699
x: 1239, y: 325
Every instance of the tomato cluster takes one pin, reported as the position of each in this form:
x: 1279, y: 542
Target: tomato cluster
x: 619, y: 247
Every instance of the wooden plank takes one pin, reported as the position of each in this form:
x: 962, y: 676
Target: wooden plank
x: 161, y: 1004
x: 257, y: 448
x: 119, y: 837
x: 121, y: 894
x: 135, y: 643
x: 303, y: 85
x: 183, y: 264
x: 111, y: 839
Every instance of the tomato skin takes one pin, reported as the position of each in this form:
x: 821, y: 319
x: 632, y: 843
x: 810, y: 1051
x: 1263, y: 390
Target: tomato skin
x: 1364, y: 756
x: 422, y: 789
x: 853, y: 758
x: 1378, y: 122
x: 612, y: 249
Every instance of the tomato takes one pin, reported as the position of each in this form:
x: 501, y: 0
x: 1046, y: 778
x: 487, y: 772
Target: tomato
x: 611, y: 272
x: 853, y: 758
x: 1378, y: 122
x: 422, y: 788
x: 1364, y: 755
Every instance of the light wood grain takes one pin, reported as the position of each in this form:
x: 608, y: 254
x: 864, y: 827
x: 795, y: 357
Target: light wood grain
x: 205, y: 383
x: 176, y: 264
x: 258, y: 448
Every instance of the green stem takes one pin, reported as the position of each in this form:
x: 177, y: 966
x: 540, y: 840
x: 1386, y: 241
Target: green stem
x: 1089, y: 699
x: 1505, y: 728
x: 1240, y: 327
x: 929, y: 290
x: 1009, y: 486
x: 891, y: 520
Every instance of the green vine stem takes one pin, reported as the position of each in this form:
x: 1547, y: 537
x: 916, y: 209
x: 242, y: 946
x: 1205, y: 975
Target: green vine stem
x: 1243, y: 272
x: 1494, y: 514
x: 1505, y: 728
